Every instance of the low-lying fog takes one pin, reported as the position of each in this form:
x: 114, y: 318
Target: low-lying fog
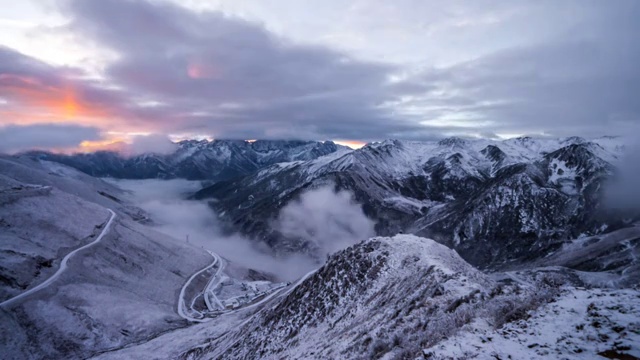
x: 330, y: 220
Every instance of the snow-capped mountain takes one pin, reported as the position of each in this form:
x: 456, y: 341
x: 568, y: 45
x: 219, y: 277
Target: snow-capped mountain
x: 195, y: 160
x: 490, y: 200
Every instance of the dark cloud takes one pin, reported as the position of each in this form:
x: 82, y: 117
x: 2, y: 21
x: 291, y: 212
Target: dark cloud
x: 16, y: 64
x: 623, y: 191
x: 582, y: 83
x: 233, y: 78
x: 15, y: 138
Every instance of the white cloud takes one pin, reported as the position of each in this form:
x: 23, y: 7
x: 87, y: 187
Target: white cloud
x: 165, y: 202
x: 328, y: 220
x: 143, y: 144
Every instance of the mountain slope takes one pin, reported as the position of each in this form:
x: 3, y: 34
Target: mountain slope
x: 362, y: 295
x: 26, y: 170
x: 579, y: 324
x: 121, y: 290
x: 407, y: 297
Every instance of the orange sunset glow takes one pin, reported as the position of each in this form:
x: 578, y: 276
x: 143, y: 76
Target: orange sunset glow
x: 354, y: 144
x: 61, y: 104
x: 114, y: 144
x: 70, y: 105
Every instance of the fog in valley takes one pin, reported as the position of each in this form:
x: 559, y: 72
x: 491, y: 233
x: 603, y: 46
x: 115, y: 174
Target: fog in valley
x: 623, y: 191
x: 329, y: 221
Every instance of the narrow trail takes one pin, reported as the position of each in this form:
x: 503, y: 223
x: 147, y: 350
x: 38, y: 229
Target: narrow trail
x: 63, y: 266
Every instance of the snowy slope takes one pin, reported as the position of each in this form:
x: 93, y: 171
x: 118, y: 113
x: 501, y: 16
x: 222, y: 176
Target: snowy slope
x: 33, y: 236
x: 372, y: 290
x: 616, y: 253
x: 119, y: 291
x: 581, y: 324
x: 26, y: 170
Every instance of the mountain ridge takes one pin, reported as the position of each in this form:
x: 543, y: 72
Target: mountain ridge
x: 194, y: 159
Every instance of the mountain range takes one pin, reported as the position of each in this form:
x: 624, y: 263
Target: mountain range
x: 492, y: 201
x: 482, y: 249
x: 194, y: 159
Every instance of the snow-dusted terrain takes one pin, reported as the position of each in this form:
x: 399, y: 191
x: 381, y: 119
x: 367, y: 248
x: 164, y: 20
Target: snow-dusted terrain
x: 102, y: 280
x: 63, y: 266
x: 78, y: 278
x: 407, y: 297
x: 89, y: 271
x: 579, y: 324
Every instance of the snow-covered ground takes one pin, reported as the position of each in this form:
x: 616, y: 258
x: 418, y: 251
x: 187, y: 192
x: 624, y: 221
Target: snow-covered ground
x: 414, y: 298
x: 580, y: 324
x: 61, y: 269
x: 101, y: 284
x: 38, y: 227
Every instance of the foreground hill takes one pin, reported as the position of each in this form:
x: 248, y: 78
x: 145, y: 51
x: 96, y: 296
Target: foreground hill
x: 406, y: 297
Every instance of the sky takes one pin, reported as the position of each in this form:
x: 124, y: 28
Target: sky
x: 83, y: 75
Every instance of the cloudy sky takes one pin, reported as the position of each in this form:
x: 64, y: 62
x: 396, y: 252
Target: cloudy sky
x: 85, y: 74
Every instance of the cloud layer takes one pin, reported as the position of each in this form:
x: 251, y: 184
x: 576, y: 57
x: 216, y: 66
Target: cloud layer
x: 22, y: 138
x: 209, y: 73
x: 497, y: 68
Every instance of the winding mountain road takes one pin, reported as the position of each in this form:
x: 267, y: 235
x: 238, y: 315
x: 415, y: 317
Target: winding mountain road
x: 211, y: 300
x: 63, y: 266
x: 181, y: 305
x: 212, y: 285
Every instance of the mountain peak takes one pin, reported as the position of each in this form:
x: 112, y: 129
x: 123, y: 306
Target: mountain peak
x: 573, y: 140
x: 453, y: 141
